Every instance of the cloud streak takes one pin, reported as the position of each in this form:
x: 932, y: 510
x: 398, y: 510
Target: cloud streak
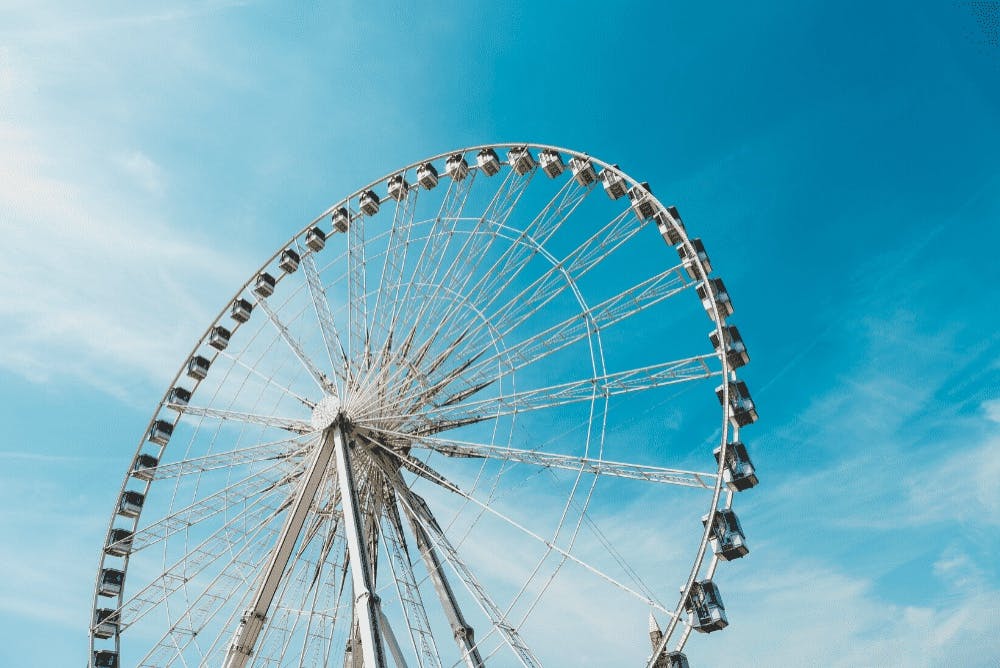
x: 97, y: 286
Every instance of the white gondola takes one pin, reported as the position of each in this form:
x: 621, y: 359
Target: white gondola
x: 675, y: 660
x: 520, y: 160
x: 551, y: 163
x: 160, y: 431
x: 742, y: 410
x: 240, y: 310
x: 738, y: 472
x: 105, y: 623
x: 144, y: 467
x: 719, y: 295
x: 105, y: 658
x: 583, y: 170
x: 427, y: 176
x: 289, y: 261
x: 341, y: 219
x: 456, y: 167
x: 732, y: 344
x: 110, y: 582
x: 613, y: 182
x: 130, y: 503
x: 398, y: 187
x: 697, y: 257
x: 369, y: 203
x: 218, y: 338
x: 488, y: 161
x: 642, y: 201
x: 264, y: 285
x: 705, y: 605
x: 315, y: 239
x: 670, y: 225
x: 727, y: 539
x: 665, y: 659
x: 179, y: 396
x: 119, y: 542
x: 197, y: 367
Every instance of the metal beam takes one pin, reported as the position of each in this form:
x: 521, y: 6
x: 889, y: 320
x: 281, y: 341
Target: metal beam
x: 413, y: 504
x: 252, y: 624
x: 464, y: 635
x: 390, y: 638
x: 366, y: 603
x: 573, y: 463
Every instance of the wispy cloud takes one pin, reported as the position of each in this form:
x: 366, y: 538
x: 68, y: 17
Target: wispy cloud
x: 829, y: 618
x: 41, y: 457
x: 146, y: 173
x: 42, y: 21
x: 961, y: 484
x: 992, y: 410
x: 96, y: 285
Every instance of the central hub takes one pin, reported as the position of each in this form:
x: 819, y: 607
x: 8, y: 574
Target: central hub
x: 325, y: 413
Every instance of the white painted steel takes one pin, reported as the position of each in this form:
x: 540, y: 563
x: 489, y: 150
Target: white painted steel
x: 421, y: 331
x: 366, y: 603
x: 253, y: 621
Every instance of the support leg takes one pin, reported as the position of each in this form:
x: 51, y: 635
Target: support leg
x: 366, y: 604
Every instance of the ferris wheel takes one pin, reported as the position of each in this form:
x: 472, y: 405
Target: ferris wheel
x: 469, y: 415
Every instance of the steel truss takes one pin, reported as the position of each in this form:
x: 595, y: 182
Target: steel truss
x: 322, y: 479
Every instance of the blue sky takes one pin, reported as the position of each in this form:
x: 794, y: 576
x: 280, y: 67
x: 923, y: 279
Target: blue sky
x: 838, y: 159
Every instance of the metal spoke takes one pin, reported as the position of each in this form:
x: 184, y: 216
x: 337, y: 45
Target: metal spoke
x: 328, y: 326
x: 477, y: 369
x: 220, y: 543
x: 428, y: 265
x: 319, y: 624
x: 321, y: 380
x: 434, y: 250
x: 474, y: 250
x: 386, y: 298
x: 253, y: 621
x: 418, y: 626
x: 257, y: 484
x: 564, y: 273
x: 443, y: 482
x: 471, y: 254
x: 555, y: 212
x: 420, y: 515
x: 409, y: 385
x: 281, y: 449
x: 288, y: 424
x: 240, y: 569
x: 527, y: 243
x: 296, y: 586
x: 566, y: 333
x: 453, y: 412
x: 464, y: 449
x: 387, y: 301
x: 357, y: 298
x: 267, y: 379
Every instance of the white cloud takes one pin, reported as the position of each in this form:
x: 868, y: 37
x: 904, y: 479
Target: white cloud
x: 7, y: 75
x: 800, y: 612
x: 962, y: 486
x: 146, y: 173
x: 96, y: 285
x: 959, y: 570
x: 992, y: 410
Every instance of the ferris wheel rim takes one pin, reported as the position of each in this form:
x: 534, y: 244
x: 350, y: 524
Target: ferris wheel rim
x: 727, y: 372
